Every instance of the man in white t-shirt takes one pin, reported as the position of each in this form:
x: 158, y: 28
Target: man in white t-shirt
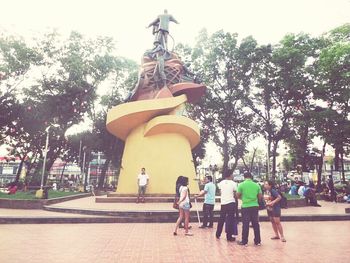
x: 142, y: 182
x: 228, y: 189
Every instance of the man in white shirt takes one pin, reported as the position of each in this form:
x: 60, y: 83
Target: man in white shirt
x: 228, y: 189
x: 142, y: 182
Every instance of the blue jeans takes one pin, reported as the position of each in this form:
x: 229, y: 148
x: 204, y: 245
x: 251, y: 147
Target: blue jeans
x: 250, y: 214
x: 208, y: 211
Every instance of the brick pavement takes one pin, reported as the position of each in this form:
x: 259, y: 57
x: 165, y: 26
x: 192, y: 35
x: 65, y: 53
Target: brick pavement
x: 106, y: 243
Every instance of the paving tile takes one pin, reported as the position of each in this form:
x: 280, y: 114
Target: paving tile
x: 132, y: 243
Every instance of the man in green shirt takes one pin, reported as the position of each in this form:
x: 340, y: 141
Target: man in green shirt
x: 249, y: 192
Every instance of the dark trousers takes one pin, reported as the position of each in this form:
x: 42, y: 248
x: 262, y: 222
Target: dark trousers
x: 227, y: 214
x: 236, y: 211
x: 250, y: 214
x: 208, y: 211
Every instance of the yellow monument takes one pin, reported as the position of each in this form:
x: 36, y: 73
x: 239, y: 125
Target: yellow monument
x: 157, y: 135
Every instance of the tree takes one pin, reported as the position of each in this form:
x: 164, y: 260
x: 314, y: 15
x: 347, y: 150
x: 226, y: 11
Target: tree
x: 16, y: 59
x: 65, y: 92
x: 226, y: 68
x: 281, y: 87
x: 332, y: 74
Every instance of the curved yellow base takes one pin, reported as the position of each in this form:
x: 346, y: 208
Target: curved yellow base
x: 164, y: 155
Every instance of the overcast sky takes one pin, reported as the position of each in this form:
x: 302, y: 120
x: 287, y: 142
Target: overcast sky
x: 266, y: 20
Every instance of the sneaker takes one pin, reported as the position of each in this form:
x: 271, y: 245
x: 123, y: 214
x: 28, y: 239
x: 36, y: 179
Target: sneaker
x: 258, y: 244
x: 188, y: 234
x: 231, y: 239
x: 242, y: 244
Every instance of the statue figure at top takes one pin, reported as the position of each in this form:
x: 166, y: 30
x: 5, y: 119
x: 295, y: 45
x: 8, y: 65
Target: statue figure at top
x: 161, y: 28
x: 162, y: 73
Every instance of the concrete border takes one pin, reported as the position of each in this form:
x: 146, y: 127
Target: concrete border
x: 152, y: 218
x: 37, y: 203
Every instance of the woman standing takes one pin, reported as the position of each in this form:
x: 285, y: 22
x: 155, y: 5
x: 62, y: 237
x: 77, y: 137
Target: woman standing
x: 272, y: 199
x: 184, y: 206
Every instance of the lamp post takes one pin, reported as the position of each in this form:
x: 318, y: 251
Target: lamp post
x: 45, y: 152
x: 84, y: 174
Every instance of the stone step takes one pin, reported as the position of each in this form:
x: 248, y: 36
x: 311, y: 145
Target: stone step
x: 148, y: 199
x: 103, y: 216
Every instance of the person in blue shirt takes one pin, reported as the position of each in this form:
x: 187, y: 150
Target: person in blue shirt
x: 293, y: 190
x: 209, y: 202
x: 272, y: 200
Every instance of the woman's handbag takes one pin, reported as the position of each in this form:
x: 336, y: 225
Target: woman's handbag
x: 175, y: 204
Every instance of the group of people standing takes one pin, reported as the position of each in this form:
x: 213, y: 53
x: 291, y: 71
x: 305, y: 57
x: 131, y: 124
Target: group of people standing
x: 251, y: 195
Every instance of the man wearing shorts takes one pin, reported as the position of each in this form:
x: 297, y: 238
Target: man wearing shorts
x: 142, y: 181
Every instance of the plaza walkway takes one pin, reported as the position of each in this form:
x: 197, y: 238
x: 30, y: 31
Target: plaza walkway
x: 327, y: 208
x: 106, y: 243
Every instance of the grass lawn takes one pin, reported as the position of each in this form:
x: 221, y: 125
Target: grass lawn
x: 292, y: 197
x: 30, y: 195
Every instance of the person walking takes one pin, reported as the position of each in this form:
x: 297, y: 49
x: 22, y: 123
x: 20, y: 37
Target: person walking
x: 209, y: 201
x: 227, y: 213
x: 249, y: 192
x: 142, y: 182
x: 184, y: 206
x: 272, y: 201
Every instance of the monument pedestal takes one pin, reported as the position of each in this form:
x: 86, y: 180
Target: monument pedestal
x: 157, y: 139
x: 163, y: 147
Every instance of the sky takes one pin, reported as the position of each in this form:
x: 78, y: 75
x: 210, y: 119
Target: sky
x: 266, y: 20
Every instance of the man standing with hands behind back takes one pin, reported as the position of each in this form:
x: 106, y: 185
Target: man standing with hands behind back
x: 142, y: 181
x: 250, y: 193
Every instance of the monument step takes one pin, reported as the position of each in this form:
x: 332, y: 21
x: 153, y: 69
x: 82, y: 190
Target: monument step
x: 148, y: 199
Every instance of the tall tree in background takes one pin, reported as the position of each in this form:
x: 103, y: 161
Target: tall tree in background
x: 65, y: 91
x: 281, y: 87
x: 226, y: 68
x: 16, y: 59
x: 332, y: 75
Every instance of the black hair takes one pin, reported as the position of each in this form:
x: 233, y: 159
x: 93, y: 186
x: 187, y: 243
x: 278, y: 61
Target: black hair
x: 184, y: 181
x: 179, y: 179
x: 247, y: 174
x: 209, y: 177
x: 271, y: 183
x: 228, y: 173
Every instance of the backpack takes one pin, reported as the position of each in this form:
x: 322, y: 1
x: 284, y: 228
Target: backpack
x: 283, y: 202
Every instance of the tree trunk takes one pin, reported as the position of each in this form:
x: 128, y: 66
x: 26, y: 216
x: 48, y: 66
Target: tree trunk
x: 245, y: 165
x: 64, y: 167
x: 304, y: 143
x: 102, y: 177
x: 274, y: 153
x: 226, y: 154
x: 319, y: 172
x: 268, y: 158
x: 18, y: 175
x: 336, y: 158
x: 252, y: 161
x: 342, y: 164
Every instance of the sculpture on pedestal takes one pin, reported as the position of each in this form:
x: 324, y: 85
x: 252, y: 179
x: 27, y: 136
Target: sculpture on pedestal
x: 156, y: 134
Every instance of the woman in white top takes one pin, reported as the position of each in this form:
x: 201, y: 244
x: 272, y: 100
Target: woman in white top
x: 184, y: 206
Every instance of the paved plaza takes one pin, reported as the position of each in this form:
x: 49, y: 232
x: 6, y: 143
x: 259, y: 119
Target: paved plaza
x: 103, y: 243
x: 327, y: 208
